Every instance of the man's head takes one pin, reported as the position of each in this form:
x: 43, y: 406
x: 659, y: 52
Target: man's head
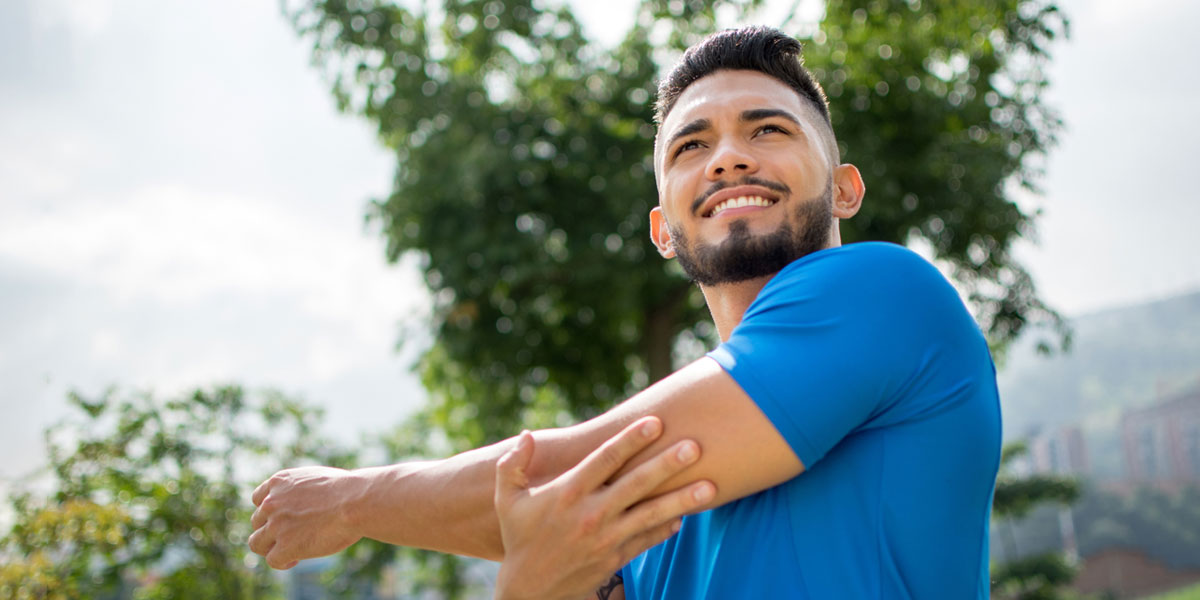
x: 746, y: 162
x: 768, y: 51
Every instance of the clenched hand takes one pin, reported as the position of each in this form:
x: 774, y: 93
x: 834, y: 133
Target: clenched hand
x: 301, y: 514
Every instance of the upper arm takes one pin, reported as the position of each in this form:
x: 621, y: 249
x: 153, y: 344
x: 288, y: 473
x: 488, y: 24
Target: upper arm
x: 741, y: 451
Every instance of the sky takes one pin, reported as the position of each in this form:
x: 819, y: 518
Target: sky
x: 181, y: 204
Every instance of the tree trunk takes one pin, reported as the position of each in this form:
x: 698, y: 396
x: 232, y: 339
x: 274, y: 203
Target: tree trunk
x: 662, y: 323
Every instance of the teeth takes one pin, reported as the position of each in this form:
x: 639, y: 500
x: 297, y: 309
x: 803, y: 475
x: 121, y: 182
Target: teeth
x: 740, y: 202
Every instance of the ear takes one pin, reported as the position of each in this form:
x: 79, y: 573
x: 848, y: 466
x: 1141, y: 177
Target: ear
x: 660, y: 233
x: 848, y: 191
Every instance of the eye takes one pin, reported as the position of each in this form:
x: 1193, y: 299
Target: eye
x: 688, y: 145
x: 771, y: 129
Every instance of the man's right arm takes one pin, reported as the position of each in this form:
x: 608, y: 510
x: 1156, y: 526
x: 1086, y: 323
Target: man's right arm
x: 444, y: 505
x: 448, y: 505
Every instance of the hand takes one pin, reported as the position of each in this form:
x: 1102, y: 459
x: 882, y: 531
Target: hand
x: 301, y: 514
x: 567, y: 537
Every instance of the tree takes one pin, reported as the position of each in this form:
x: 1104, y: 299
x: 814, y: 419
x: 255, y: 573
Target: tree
x: 524, y: 175
x: 51, y: 551
x: 1039, y: 577
x: 155, y: 495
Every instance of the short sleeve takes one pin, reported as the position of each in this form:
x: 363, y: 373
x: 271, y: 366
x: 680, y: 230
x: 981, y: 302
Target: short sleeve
x: 838, y: 341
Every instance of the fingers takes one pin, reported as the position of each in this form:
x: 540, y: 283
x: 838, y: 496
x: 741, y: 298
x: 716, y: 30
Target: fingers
x: 605, y: 461
x: 261, y: 541
x: 649, y: 516
x: 510, y: 469
x: 261, y: 491
x: 261, y: 515
x: 277, y: 560
x: 634, y: 486
x: 651, y: 538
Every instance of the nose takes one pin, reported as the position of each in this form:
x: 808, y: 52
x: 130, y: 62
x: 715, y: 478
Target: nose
x: 730, y: 158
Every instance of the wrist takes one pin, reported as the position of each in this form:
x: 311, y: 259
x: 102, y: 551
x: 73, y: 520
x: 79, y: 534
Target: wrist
x: 367, y: 491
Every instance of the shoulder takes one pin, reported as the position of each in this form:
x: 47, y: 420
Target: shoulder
x: 858, y: 259
x: 856, y: 273
x: 860, y: 296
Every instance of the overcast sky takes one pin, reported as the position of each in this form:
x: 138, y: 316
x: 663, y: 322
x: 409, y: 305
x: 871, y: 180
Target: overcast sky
x: 181, y: 204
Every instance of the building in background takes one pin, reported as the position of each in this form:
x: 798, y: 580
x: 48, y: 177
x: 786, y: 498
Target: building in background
x: 1161, y: 442
x: 1060, y: 451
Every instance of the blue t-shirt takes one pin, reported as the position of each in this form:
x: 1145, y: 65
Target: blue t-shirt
x: 865, y: 360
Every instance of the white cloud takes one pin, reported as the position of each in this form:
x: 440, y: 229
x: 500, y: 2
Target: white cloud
x: 1124, y: 14
x: 107, y: 344
x: 82, y: 17
x: 177, y: 245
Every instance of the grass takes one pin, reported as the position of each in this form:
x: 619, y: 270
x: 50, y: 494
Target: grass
x: 1187, y: 593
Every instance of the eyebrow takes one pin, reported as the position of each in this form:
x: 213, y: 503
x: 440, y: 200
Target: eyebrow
x: 694, y: 127
x: 759, y: 114
x: 756, y: 114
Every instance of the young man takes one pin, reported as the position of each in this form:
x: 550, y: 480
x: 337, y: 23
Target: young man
x: 849, y: 419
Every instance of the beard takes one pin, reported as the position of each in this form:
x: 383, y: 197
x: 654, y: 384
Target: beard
x: 742, y: 256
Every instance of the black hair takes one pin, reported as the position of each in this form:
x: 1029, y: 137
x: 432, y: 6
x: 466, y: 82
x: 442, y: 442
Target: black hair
x: 758, y: 48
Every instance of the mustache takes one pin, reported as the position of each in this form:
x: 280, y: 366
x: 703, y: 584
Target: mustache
x: 747, y: 180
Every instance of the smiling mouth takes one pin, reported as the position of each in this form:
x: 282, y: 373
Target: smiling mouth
x: 739, y: 202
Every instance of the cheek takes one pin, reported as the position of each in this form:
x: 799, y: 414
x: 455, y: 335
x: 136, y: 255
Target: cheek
x: 676, y: 202
x: 805, y: 177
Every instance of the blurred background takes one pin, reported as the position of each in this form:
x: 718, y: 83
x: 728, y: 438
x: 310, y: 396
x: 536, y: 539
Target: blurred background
x: 239, y: 236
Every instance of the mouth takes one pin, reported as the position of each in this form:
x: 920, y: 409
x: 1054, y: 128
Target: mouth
x: 740, y: 202
x: 734, y: 200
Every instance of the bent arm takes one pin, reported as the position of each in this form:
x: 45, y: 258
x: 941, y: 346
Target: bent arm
x: 741, y: 451
x: 447, y: 505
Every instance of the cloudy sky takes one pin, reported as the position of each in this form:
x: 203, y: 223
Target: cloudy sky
x: 181, y: 204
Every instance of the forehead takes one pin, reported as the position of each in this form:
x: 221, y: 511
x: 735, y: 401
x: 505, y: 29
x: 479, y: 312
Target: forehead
x: 728, y: 93
x: 723, y: 95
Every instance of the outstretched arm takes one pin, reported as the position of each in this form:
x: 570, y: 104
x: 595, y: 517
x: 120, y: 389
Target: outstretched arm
x: 444, y: 505
x: 447, y: 505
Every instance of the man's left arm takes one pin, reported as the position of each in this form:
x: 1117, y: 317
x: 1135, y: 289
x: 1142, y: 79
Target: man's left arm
x: 742, y: 450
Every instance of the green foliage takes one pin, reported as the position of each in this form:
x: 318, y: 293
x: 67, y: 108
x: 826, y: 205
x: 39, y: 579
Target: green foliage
x: 50, y: 552
x: 1189, y: 593
x: 1040, y: 577
x: 524, y: 175
x: 155, y: 495
x: 1035, y: 578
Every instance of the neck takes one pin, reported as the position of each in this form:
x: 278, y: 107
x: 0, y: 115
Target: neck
x: 728, y: 302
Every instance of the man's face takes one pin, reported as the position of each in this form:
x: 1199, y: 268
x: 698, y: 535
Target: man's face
x: 746, y: 180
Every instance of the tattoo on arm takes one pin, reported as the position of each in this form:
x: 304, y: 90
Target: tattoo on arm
x: 607, y: 589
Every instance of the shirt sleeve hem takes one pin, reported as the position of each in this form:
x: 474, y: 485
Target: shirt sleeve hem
x: 768, y: 404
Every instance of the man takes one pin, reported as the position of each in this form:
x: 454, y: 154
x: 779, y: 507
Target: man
x: 849, y: 419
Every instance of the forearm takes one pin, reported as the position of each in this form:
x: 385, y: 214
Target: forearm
x: 447, y: 505
x: 443, y: 505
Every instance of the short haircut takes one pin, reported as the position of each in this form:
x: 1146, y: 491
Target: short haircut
x: 763, y: 49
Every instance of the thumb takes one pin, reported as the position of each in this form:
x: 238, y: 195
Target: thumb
x: 510, y: 469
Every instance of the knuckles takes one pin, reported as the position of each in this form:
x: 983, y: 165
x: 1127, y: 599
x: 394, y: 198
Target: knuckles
x: 589, y: 523
x: 569, y: 494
